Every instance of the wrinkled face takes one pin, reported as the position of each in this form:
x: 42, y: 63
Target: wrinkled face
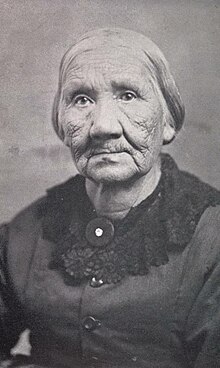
x: 111, y: 115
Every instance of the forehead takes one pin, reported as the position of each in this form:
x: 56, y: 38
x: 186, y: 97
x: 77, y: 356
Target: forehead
x: 107, y: 64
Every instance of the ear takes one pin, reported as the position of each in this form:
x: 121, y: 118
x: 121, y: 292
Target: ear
x: 169, y: 132
x: 67, y: 141
x: 55, y: 117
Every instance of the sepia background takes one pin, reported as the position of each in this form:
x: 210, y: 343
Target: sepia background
x: 34, y: 36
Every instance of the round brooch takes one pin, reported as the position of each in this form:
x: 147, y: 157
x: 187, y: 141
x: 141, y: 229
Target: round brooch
x: 99, y: 232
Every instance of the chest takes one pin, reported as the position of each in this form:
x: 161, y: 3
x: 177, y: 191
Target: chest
x: 139, y: 315
x: 135, y: 305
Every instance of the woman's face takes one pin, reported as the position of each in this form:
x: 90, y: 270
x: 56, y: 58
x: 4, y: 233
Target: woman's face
x: 111, y: 115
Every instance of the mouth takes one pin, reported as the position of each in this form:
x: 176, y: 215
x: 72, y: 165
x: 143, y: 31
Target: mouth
x: 104, y: 151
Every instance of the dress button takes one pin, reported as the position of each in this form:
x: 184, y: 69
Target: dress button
x: 90, y: 323
x: 96, y: 282
x: 99, y: 232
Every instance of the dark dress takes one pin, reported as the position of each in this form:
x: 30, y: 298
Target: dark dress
x: 149, y: 298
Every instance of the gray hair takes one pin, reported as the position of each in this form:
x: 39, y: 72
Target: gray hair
x: 151, y: 55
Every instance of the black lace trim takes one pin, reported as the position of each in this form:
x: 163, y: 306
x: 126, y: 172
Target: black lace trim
x: 163, y: 222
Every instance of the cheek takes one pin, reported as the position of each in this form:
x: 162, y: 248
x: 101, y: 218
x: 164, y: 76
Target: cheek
x: 75, y: 126
x: 145, y: 123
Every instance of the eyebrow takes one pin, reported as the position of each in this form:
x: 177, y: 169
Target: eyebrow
x: 70, y: 90
x: 128, y: 84
x: 77, y: 86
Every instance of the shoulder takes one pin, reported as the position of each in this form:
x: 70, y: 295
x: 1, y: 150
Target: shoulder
x: 54, y: 195
x: 20, y: 237
x: 31, y: 217
x: 185, y: 184
x: 211, y: 218
x: 3, y: 234
x: 206, y: 239
x: 186, y: 199
x: 4, y: 230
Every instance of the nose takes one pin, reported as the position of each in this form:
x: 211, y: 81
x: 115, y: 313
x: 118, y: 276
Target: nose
x: 105, y: 123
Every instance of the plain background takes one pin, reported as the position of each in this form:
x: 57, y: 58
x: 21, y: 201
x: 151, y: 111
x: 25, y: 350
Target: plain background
x: 34, y: 36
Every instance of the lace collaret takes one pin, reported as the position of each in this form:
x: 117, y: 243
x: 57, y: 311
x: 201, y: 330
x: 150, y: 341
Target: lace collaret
x: 141, y: 240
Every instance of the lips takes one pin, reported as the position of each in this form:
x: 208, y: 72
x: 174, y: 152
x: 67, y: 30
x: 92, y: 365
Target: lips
x: 102, y: 151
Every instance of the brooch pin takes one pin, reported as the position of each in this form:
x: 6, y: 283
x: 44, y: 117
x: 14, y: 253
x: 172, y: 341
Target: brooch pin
x: 99, y: 232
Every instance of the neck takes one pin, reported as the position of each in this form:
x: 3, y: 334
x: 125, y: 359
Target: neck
x: 114, y: 200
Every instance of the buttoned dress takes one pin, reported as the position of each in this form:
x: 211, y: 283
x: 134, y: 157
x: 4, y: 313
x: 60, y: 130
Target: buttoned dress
x: 164, y: 315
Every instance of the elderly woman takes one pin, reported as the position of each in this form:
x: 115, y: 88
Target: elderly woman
x: 120, y: 265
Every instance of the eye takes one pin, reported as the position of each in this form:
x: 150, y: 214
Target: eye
x: 128, y: 96
x: 82, y: 101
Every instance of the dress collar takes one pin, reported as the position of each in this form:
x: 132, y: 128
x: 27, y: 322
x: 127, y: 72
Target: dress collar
x: 163, y: 222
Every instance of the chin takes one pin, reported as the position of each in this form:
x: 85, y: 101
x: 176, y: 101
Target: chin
x: 110, y: 168
x: 110, y: 175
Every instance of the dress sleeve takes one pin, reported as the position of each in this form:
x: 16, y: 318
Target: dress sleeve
x: 10, y: 313
x: 203, y: 324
